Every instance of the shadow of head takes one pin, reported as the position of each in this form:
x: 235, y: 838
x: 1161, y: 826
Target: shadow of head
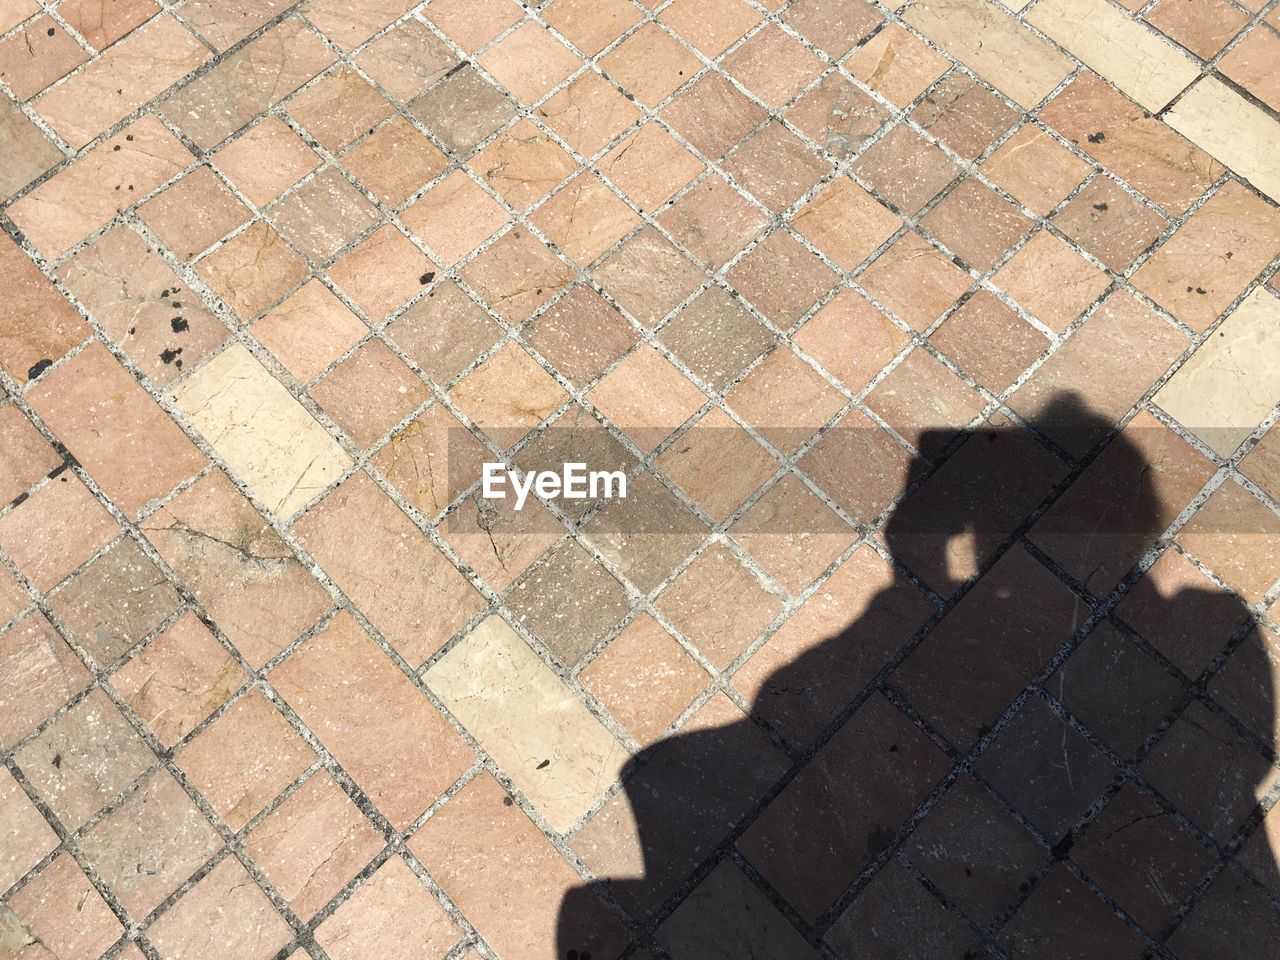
x: 1026, y: 735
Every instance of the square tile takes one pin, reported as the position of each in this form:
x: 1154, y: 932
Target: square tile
x: 989, y: 341
x: 349, y: 26
x: 591, y: 25
x: 711, y: 27
x: 920, y: 399
x: 463, y: 109
x: 103, y: 27
x: 646, y: 397
x: 1036, y: 169
x: 964, y: 115
x: 339, y: 108
x: 382, y: 271
x: 369, y: 392
x: 897, y: 909
x: 432, y: 460
x: 716, y: 337
x: 717, y: 464
x: 374, y: 720
x: 444, y: 332
x: 585, y: 218
x: 884, y: 460
x: 454, y: 217
x: 523, y: 165
x: 1246, y: 64
x: 178, y: 679
x: 834, y: 25
x: 1051, y: 281
x: 776, y: 166
x: 395, y: 162
x: 915, y: 280
x: 897, y: 65
x: 785, y: 399
x: 191, y: 215
x: 647, y: 276
x: 851, y: 318
x: 497, y: 541
x: 773, y: 66
x: 650, y: 166
x: 1064, y: 916
x: 55, y: 530
x: 1233, y: 535
x: 581, y: 335
x: 845, y: 222
x: 905, y: 169
x: 324, y: 215
x: 472, y: 25
x: 26, y: 352
x: 252, y: 270
x: 407, y: 59
x: 713, y: 222
x: 955, y: 222
x: 1203, y: 28
x: 651, y: 64
x: 781, y: 278
x: 265, y: 160
x: 1110, y: 223
x: 529, y: 61
x: 517, y: 274
x: 309, y: 331
x: 508, y: 395
x: 25, y: 837
x: 837, y: 115
x: 588, y: 113
x: 61, y: 911
x: 713, y: 115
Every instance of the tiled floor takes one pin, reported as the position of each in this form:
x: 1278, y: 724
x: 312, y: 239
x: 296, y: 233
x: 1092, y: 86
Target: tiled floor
x: 941, y: 345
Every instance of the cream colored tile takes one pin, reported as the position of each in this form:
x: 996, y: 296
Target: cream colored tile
x: 261, y: 431
x: 1133, y: 58
x: 541, y: 735
x: 1230, y: 129
x: 995, y: 46
x: 1222, y: 393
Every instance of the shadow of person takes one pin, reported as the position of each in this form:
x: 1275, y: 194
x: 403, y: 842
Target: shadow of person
x: 1056, y: 750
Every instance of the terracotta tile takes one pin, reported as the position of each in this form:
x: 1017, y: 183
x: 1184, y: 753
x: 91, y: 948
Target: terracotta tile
x: 28, y: 152
x: 309, y: 330
x: 651, y: 64
x: 1247, y: 61
x: 1110, y: 223
x: 717, y: 464
x: 406, y: 60
x: 837, y: 115
x: 102, y: 24
x: 773, y: 66
x: 37, y: 55
x: 496, y: 541
x: 581, y: 335
x: 529, y: 61
x: 915, y: 280
x: 646, y: 535
x: 1261, y: 464
x: 1230, y: 906
x: 647, y: 276
x: 964, y: 115
x: 1223, y: 391
x: 431, y: 460
x: 472, y: 25
x: 178, y: 679
x: 1243, y: 685
x: 711, y: 27
x: 1152, y: 459
x: 63, y: 913
x: 28, y: 457
x: 989, y: 341
x: 324, y: 215
x: 719, y: 605
x: 776, y: 166
x: 84, y: 759
x: 369, y: 392
x: 260, y: 431
x: 954, y: 222
x: 785, y: 400
x: 1202, y: 28
x: 143, y: 64
x: 523, y: 165
x: 244, y: 576
x: 349, y: 693
x: 781, y: 278
x: 55, y: 530
x: 1036, y: 169
x: 391, y: 913
x: 1233, y: 534
x: 894, y: 910
x: 921, y: 398
x: 845, y: 222
x: 350, y: 25
x: 395, y: 162
x: 15, y: 11
x: 577, y: 436
x: 444, y: 332
x: 1063, y: 913
x: 192, y: 214
x: 882, y: 463
x: 382, y: 271
x: 905, y: 169
x: 585, y: 218
x: 253, y: 79
x: 650, y: 166
x: 25, y: 838
x: 496, y: 686
x: 646, y: 397
x: 13, y: 598
x: 225, y: 911
x: 82, y: 196
x: 265, y: 160
x: 712, y: 115
x: 716, y: 338
x: 26, y: 350
x: 1157, y: 161
x: 792, y: 534
x: 225, y: 22
x: 588, y: 113
x: 589, y: 24
x: 1210, y: 259
x: 420, y: 600
x: 252, y: 270
x: 713, y: 222
x: 463, y: 109
x: 897, y: 65
x: 158, y: 826
x: 975, y: 851
x: 517, y: 275
x: 835, y: 27
x: 508, y: 395
x: 313, y: 844
x: 514, y: 904
x: 41, y: 673
x: 1051, y: 281
x: 141, y: 305
x: 850, y: 318
x: 568, y: 629
x: 454, y: 217
x: 792, y: 849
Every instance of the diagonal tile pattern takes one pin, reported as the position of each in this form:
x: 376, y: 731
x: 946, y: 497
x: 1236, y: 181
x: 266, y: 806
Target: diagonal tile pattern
x: 938, y: 341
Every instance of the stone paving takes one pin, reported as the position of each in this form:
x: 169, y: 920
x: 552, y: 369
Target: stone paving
x: 940, y: 344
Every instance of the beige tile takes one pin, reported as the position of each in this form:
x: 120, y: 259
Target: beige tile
x: 263, y: 433
x: 897, y: 64
x: 1222, y: 393
x: 1118, y: 48
x: 845, y: 222
x: 1230, y: 129
x: 995, y: 46
x: 539, y: 733
x: 127, y: 75
x: 373, y: 719
x: 95, y: 187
